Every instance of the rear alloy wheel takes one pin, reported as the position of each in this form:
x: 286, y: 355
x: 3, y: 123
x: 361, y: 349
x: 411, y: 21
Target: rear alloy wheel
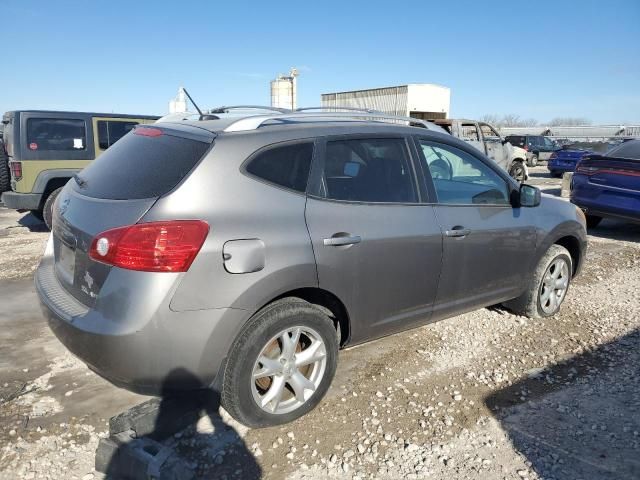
x: 533, y: 161
x: 47, y: 211
x: 281, y: 364
x: 548, y: 287
x: 593, y: 221
x: 517, y: 172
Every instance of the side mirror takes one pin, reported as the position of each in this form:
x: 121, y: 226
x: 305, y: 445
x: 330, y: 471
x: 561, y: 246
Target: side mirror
x: 529, y: 196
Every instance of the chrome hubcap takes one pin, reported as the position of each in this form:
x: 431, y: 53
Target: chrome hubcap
x: 288, y: 370
x: 554, y: 285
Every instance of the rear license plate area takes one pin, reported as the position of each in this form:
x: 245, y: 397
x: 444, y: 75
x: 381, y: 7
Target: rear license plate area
x: 66, y: 263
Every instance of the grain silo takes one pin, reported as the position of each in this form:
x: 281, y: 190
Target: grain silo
x: 284, y: 90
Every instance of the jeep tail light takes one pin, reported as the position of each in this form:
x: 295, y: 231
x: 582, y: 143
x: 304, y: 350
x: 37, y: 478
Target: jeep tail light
x: 553, y: 156
x: 169, y: 246
x: 16, y: 170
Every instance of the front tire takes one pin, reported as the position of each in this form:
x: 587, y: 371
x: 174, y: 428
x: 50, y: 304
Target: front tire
x: 280, y: 365
x: 548, y: 287
x: 517, y: 171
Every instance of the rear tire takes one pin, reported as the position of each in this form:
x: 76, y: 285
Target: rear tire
x: 5, y: 175
x: 533, y: 161
x: 244, y: 395
x: 47, y: 210
x: 593, y: 221
x: 548, y: 287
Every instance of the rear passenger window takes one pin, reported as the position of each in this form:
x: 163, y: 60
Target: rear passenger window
x: 109, y: 132
x: 368, y: 170
x: 286, y: 165
x: 56, y: 134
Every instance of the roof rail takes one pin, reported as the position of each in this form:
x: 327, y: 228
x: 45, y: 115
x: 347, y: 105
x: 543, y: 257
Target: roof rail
x: 255, y: 122
x: 225, y: 109
x: 335, y: 109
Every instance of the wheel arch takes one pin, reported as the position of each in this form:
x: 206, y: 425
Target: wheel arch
x: 328, y: 302
x: 572, y: 244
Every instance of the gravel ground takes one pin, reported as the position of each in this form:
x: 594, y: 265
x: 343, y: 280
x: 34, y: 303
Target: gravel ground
x: 486, y: 395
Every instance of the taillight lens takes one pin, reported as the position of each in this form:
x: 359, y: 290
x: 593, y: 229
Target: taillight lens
x: 525, y: 148
x: 553, y: 156
x: 148, y: 132
x: 16, y: 170
x: 587, y: 170
x: 151, y: 247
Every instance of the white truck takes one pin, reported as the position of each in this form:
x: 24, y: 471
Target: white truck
x: 486, y: 139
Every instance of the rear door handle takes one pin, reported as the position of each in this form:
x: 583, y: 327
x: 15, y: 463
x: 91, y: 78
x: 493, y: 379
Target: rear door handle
x: 341, y: 241
x: 457, y: 231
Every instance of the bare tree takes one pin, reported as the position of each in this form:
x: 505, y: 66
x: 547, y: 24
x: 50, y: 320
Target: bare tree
x: 569, y: 121
x: 508, y: 120
x: 491, y: 119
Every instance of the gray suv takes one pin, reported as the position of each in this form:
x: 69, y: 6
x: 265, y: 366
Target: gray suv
x: 245, y: 252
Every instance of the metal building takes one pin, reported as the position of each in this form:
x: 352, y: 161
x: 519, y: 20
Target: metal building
x: 418, y: 100
x: 284, y: 90
x: 578, y: 132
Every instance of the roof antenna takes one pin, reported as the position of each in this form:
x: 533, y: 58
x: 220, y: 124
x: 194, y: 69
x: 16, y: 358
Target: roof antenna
x: 193, y: 103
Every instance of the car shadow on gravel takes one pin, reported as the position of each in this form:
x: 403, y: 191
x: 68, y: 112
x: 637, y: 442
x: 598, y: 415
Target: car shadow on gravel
x: 579, y: 418
x: 617, y: 230
x: 33, y: 223
x: 187, y: 439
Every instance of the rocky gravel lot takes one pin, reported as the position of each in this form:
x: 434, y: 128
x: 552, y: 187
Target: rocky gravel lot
x: 487, y: 395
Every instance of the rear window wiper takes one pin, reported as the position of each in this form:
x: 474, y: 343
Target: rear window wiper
x: 82, y: 183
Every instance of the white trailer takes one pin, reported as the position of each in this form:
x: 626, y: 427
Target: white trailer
x: 418, y: 100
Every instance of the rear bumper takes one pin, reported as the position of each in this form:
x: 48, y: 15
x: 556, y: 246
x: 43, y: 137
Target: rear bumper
x: 22, y: 201
x: 560, y: 168
x: 171, y: 351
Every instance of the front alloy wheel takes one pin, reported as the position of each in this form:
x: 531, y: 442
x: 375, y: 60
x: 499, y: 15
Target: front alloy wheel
x: 554, y: 286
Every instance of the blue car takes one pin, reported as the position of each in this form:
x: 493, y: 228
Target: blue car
x: 608, y: 185
x: 565, y: 160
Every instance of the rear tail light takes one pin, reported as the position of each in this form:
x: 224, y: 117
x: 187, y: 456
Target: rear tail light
x: 525, y: 148
x: 16, y: 170
x: 587, y: 170
x: 151, y: 247
x: 553, y: 156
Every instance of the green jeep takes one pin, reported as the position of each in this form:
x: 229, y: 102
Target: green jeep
x: 45, y: 149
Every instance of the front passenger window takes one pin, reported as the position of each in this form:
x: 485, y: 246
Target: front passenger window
x: 462, y: 179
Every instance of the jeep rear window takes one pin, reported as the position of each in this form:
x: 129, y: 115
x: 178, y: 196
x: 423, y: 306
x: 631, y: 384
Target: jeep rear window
x: 56, y: 134
x: 140, y: 166
x: 109, y: 132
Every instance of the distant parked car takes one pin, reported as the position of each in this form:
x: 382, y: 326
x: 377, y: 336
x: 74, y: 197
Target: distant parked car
x: 608, y: 185
x: 485, y: 138
x: 565, y: 160
x: 538, y: 147
x: 44, y: 149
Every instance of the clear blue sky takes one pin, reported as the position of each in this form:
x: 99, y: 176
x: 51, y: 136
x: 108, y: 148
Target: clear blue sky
x: 539, y: 59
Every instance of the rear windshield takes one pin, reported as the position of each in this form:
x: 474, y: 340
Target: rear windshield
x: 629, y: 149
x: 516, y: 140
x: 139, y: 166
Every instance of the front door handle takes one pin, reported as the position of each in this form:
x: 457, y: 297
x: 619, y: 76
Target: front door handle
x: 457, y: 231
x: 342, y: 240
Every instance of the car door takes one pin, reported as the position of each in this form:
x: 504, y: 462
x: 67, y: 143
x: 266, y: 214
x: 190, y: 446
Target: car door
x: 488, y: 245
x: 496, y: 151
x: 547, y: 148
x: 378, y: 247
x: 469, y: 133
